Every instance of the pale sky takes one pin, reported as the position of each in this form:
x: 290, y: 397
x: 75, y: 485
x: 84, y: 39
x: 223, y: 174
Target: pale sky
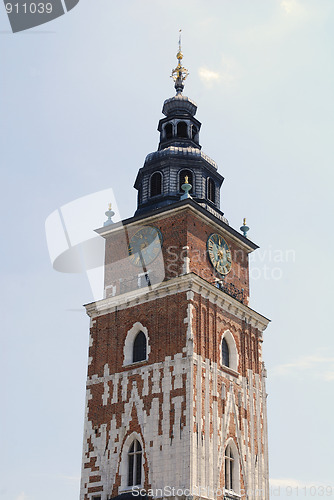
x: 80, y: 103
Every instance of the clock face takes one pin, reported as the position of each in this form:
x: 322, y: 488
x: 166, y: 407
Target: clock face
x: 145, y: 246
x: 219, y: 254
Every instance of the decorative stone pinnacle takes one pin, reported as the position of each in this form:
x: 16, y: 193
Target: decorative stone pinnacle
x: 244, y: 229
x: 186, y: 187
x: 180, y: 73
x: 109, y: 213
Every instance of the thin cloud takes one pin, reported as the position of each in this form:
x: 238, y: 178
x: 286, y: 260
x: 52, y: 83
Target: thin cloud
x: 230, y: 70
x: 227, y: 73
x: 22, y: 496
x: 292, y: 7
x: 321, y: 367
x: 295, y: 483
x: 288, y: 6
x: 208, y: 76
x: 286, y: 483
x: 290, y: 15
x: 73, y: 479
x: 328, y: 376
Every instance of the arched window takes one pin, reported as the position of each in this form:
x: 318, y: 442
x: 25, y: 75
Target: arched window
x: 156, y: 184
x: 182, y: 129
x: 228, y: 351
x: 134, y: 463
x: 225, y: 353
x: 193, y: 132
x: 232, y: 468
x: 182, y: 179
x: 168, y: 131
x: 211, y: 190
x: 230, y: 479
x: 139, y: 347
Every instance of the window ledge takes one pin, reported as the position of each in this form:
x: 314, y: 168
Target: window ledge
x: 231, y: 495
x: 130, y: 489
x: 135, y: 364
x: 230, y: 371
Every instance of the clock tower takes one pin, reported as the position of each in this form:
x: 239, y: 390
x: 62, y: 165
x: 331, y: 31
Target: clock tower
x: 176, y: 398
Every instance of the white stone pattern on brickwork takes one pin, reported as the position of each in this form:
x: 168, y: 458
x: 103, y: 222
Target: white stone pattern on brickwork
x: 208, y: 450
x: 174, y: 465
x: 168, y: 466
x: 191, y: 454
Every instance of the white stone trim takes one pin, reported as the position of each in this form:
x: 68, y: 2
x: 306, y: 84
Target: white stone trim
x: 129, y: 340
x: 180, y: 284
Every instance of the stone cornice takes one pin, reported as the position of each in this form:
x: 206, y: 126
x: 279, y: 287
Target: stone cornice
x: 181, y: 284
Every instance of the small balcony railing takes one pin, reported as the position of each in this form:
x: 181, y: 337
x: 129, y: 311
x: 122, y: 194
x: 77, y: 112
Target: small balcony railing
x: 231, y: 290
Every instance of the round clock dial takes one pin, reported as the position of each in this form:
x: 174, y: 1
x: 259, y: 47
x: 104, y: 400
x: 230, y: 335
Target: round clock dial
x: 145, y: 246
x: 219, y: 254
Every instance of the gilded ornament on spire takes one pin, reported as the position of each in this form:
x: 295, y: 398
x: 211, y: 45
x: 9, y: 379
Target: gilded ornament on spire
x: 180, y: 73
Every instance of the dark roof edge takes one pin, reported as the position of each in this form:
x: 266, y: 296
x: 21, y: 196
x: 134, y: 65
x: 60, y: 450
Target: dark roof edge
x: 192, y: 203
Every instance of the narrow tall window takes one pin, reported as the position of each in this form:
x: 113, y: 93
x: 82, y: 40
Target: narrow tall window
x: 230, y: 480
x: 211, y: 190
x: 182, y: 179
x: 182, y: 129
x: 134, y: 464
x: 139, y: 347
x: 193, y: 132
x: 169, y: 131
x: 225, y: 353
x: 156, y: 183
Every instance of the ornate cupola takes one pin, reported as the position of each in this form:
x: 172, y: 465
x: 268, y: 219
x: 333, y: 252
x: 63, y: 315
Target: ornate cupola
x: 179, y: 156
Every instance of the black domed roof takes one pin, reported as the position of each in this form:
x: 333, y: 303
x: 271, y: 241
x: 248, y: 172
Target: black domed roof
x: 179, y: 105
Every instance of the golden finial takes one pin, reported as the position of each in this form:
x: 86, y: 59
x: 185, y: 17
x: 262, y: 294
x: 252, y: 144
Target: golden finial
x: 179, y: 74
x: 109, y: 206
x: 244, y: 221
x: 186, y: 179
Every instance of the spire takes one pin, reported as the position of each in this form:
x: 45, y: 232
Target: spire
x: 179, y: 74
